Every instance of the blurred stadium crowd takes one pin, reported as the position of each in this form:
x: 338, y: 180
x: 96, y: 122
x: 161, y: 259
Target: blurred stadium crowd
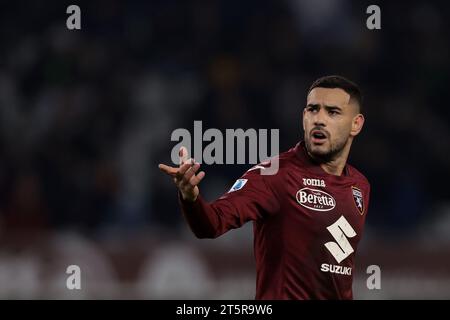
x: 86, y: 116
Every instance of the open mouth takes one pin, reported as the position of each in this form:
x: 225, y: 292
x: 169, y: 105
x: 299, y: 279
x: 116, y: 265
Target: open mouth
x: 318, y: 136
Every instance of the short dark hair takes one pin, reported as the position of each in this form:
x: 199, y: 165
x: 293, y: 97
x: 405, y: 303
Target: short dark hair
x: 340, y: 82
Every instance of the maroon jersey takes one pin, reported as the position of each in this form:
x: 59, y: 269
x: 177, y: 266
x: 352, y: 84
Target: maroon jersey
x: 307, y: 225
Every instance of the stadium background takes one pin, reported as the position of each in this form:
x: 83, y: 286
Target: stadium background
x: 86, y: 116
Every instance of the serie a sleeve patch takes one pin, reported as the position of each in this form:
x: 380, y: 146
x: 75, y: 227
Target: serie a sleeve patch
x: 238, y: 185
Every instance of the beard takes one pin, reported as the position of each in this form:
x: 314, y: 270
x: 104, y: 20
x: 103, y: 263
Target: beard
x: 324, y: 156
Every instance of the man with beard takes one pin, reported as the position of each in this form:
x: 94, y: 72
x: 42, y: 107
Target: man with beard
x: 308, y: 217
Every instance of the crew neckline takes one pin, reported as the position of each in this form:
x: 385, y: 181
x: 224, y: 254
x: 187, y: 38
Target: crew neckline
x: 313, y: 166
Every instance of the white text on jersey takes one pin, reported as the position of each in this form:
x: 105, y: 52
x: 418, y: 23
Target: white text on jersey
x: 325, y: 267
x: 314, y: 182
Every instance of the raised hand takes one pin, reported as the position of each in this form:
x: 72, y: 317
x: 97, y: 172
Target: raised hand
x: 185, y: 177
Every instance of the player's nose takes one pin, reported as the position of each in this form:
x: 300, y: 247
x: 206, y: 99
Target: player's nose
x: 319, y: 118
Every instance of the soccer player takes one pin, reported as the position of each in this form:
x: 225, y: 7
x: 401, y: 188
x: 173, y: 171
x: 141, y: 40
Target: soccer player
x: 308, y: 218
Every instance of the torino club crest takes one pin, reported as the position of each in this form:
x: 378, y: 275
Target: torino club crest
x: 358, y: 198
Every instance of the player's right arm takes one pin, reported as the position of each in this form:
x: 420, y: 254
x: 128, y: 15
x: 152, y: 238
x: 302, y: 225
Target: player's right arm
x: 253, y: 200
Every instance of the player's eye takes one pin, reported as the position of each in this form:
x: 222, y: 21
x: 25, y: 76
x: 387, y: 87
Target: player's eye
x: 333, y: 112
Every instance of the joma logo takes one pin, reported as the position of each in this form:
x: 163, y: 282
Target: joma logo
x: 314, y: 182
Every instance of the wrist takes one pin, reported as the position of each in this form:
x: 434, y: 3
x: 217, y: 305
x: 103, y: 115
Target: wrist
x: 188, y: 198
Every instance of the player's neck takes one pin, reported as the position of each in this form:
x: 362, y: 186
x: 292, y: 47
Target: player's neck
x: 337, y: 165
x: 334, y: 167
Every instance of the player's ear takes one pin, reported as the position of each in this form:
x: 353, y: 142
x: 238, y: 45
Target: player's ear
x: 303, y: 118
x: 357, y: 124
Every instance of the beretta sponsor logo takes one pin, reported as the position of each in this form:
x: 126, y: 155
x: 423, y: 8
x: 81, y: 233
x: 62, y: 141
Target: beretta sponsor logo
x: 315, y: 199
